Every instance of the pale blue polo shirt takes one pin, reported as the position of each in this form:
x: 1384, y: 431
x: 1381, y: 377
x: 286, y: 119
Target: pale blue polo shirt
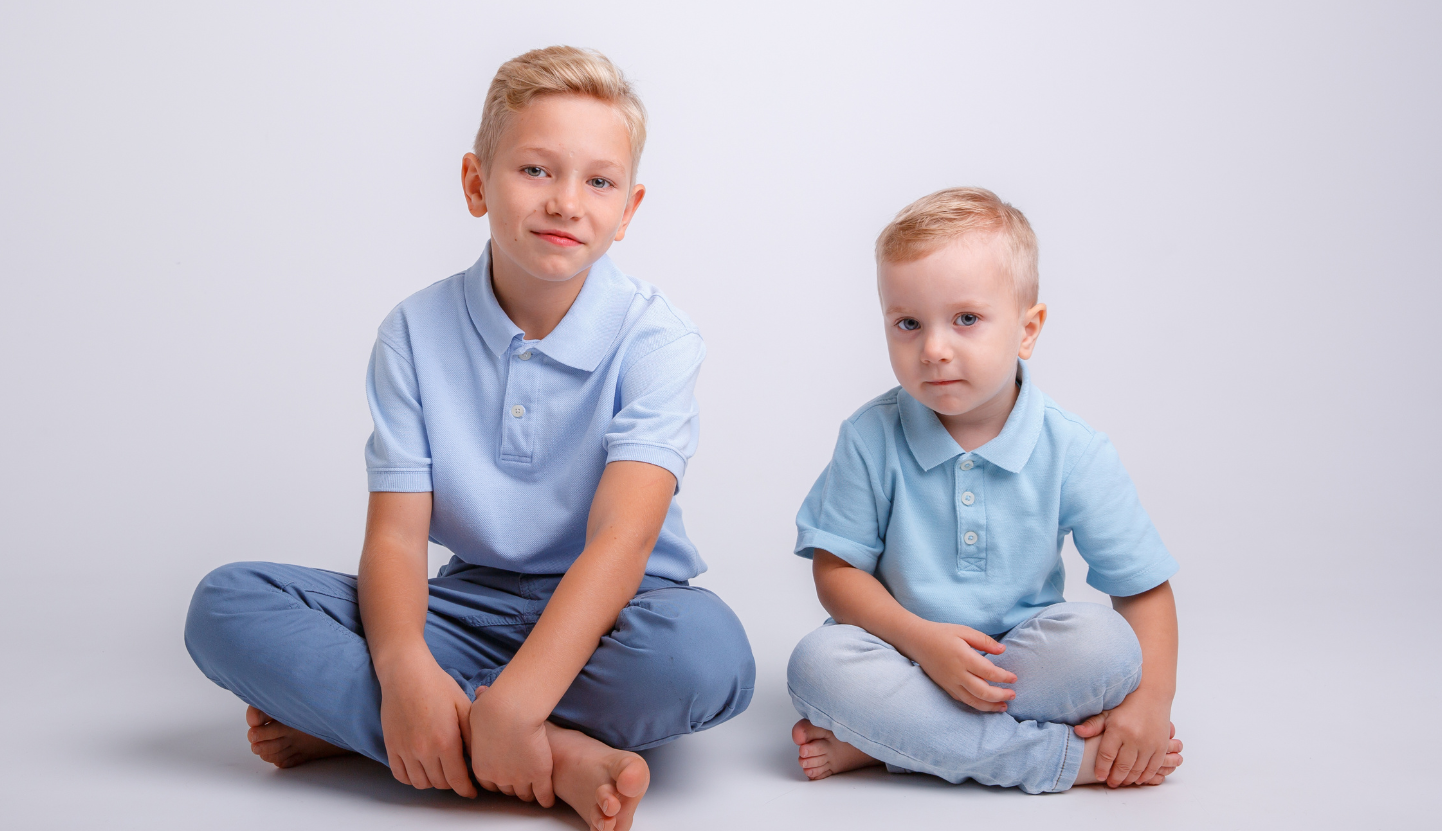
x: 975, y: 538
x: 511, y: 436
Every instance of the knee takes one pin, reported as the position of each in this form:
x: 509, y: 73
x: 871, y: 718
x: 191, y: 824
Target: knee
x: 1098, y: 638
x: 216, y: 603
x: 699, y: 654
x: 821, y: 656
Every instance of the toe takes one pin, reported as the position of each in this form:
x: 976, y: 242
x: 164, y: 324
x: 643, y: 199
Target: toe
x: 818, y: 773
x: 255, y: 717
x: 810, y: 749
x: 633, y: 776
x: 805, y: 731
x: 809, y: 762
x: 608, y: 802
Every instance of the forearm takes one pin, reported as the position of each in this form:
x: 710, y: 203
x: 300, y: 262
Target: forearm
x: 391, y: 583
x: 626, y: 517
x: 581, y: 611
x: 852, y: 596
x: 1153, y: 617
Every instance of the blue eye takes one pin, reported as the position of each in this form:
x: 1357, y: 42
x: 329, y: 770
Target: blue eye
x: 533, y: 171
x: 908, y: 324
x: 967, y: 319
x: 600, y: 184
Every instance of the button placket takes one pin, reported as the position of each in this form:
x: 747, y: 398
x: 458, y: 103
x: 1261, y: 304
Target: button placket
x: 970, y: 516
x: 517, y: 425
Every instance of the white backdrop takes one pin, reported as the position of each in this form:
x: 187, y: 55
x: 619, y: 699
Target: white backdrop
x: 207, y: 209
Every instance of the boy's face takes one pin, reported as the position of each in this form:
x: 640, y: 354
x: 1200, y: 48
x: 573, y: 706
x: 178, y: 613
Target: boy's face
x: 954, y: 327
x: 558, y: 191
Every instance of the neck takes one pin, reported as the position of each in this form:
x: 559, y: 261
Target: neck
x: 536, y: 306
x: 980, y: 425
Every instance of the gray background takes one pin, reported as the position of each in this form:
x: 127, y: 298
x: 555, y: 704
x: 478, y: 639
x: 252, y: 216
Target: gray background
x: 207, y: 210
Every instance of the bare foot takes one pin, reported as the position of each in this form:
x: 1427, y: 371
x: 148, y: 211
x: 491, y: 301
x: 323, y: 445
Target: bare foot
x: 604, y: 785
x: 1087, y: 774
x: 282, y: 746
x: 822, y: 754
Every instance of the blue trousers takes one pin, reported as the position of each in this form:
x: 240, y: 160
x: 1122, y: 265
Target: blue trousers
x: 288, y: 640
x: 1072, y: 660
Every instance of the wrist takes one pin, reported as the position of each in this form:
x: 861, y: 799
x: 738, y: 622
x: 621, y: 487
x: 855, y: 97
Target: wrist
x: 502, y: 705
x: 400, y: 661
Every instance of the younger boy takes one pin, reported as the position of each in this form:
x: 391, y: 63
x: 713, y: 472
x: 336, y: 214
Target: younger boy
x: 533, y: 414
x: 936, y: 534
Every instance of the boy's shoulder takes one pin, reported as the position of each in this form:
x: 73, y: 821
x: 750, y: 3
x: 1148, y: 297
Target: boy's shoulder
x: 875, y: 424
x: 651, y: 317
x: 423, y: 310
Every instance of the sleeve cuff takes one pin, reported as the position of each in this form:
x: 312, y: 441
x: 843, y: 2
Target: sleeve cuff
x: 398, y: 481
x: 860, y: 556
x: 654, y: 454
x: 1136, y: 582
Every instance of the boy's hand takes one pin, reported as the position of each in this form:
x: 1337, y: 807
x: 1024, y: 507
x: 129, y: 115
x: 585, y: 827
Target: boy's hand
x: 1135, y: 736
x: 947, y: 653
x: 509, y: 749
x: 424, y: 714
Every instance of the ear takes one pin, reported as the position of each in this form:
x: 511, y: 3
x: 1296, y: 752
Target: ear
x: 637, y: 194
x: 1031, y: 324
x: 473, y: 185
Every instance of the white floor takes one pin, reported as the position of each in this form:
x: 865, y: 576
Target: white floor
x: 114, y: 737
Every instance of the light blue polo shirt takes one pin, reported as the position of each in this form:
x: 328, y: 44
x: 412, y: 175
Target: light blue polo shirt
x: 511, y: 436
x: 975, y: 538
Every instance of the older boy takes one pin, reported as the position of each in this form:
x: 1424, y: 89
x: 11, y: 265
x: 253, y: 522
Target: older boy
x: 936, y: 533
x: 533, y: 414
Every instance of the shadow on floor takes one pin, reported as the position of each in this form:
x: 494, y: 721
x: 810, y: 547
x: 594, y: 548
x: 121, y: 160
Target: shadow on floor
x: 220, y: 751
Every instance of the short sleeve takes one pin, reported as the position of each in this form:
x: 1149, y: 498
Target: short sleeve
x: 1112, y: 532
x: 398, y: 455
x: 658, y: 420
x: 846, y: 511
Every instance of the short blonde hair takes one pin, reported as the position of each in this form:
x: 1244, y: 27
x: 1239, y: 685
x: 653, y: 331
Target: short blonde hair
x: 557, y: 70
x: 932, y: 221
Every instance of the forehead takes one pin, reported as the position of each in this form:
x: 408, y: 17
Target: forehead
x: 972, y: 268
x: 577, y: 126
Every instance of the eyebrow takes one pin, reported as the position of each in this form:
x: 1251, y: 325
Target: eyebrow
x: 545, y: 151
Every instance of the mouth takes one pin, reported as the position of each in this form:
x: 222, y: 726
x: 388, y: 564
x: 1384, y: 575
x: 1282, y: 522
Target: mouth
x: 560, y: 238
x: 942, y: 383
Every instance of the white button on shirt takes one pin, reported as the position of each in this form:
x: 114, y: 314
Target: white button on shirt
x: 518, y: 411
x: 525, y: 356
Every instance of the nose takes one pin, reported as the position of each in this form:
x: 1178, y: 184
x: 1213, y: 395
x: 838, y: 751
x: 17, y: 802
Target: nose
x: 565, y: 201
x: 936, y: 349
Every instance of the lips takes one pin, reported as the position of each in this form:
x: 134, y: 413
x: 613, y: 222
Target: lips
x: 560, y: 238
x: 943, y: 383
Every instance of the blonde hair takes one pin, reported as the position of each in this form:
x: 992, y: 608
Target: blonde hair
x: 932, y: 221
x: 557, y: 70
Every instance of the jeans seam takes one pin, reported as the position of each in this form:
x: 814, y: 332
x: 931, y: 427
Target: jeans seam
x: 328, y: 619
x: 847, y: 727
x: 1065, y: 752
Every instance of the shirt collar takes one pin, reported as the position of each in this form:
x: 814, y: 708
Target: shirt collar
x: 584, y: 335
x: 932, y: 445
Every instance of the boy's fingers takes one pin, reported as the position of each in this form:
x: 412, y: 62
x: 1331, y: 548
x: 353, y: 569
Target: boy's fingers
x: 1092, y: 726
x: 398, y: 769
x: 984, y: 642
x: 1125, y: 761
x: 1153, y: 765
x: 453, y: 765
x: 1106, y: 756
x: 416, y: 772
x: 545, y: 796
x: 524, y: 792
x: 987, y: 692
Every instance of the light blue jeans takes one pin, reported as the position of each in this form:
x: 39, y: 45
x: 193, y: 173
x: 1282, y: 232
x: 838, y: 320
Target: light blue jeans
x: 1072, y: 660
